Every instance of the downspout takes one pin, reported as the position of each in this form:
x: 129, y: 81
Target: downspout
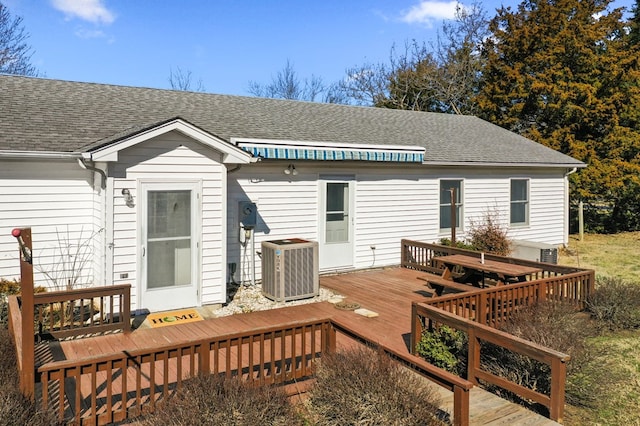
x: 103, y: 175
x: 565, y: 235
x: 106, y: 249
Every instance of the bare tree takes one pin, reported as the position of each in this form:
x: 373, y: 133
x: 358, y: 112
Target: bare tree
x: 183, y: 80
x: 441, y: 76
x: 287, y: 85
x: 15, y: 53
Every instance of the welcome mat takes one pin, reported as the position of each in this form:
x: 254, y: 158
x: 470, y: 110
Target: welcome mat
x: 163, y: 319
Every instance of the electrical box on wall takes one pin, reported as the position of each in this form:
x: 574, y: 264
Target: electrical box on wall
x: 248, y: 214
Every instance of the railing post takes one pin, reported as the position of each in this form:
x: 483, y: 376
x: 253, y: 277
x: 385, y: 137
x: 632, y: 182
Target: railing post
x: 27, y: 375
x: 473, y: 356
x: 204, y: 358
x: 558, y: 378
x: 126, y: 310
x: 460, y: 406
x: 416, y: 328
x: 330, y: 339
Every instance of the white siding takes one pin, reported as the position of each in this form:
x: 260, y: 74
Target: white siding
x: 171, y: 157
x: 392, y: 202
x: 57, y: 200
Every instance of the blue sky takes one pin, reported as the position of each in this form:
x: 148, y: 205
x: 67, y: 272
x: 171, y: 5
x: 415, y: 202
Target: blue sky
x: 224, y: 43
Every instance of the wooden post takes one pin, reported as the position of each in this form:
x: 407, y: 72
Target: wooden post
x: 473, y: 356
x: 330, y: 339
x: 581, y: 220
x: 27, y: 375
x: 416, y: 328
x: 204, y: 358
x: 460, y: 406
x: 557, y: 397
x: 453, y: 217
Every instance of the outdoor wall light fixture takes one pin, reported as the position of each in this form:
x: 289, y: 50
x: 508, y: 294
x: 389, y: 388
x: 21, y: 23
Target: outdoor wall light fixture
x: 128, y: 198
x: 291, y: 170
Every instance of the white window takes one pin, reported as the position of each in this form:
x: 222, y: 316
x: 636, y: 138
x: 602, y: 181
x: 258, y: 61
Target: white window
x: 445, y: 203
x: 519, y: 213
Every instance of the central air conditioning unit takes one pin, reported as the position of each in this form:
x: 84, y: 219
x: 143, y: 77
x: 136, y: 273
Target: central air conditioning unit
x: 290, y: 269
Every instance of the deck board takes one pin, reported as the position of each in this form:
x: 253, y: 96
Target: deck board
x: 388, y: 292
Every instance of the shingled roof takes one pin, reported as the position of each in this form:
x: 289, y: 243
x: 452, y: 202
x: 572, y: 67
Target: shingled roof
x: 42, y: 115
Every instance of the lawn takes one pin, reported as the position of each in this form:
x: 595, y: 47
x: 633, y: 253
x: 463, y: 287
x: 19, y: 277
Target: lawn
x: 611, y: 255
x: 614, y: 256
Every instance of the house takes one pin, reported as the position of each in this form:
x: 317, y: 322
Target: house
x: 144, y: 186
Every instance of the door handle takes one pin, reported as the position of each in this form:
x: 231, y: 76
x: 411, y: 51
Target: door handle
x: 144, y: 251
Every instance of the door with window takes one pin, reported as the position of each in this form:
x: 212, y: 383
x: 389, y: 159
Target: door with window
x: 336, y: 222
x: 169, y: 249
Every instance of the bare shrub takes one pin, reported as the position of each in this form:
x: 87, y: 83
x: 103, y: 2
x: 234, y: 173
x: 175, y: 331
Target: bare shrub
x: 556, y: 326
x: 217, y: 400
x: 365, y: 387
x: 615, y: 304
x: 490, y: 235
x: 15, y: 409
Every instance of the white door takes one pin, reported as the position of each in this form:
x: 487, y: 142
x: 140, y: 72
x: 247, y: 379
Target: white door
x: 170, y: 235
x: 336, y: 223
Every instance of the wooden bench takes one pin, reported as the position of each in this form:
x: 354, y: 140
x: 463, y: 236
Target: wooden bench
x: 438, y: 283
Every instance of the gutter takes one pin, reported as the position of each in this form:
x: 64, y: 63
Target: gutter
x: 495, y: 164
x: 45, y: 155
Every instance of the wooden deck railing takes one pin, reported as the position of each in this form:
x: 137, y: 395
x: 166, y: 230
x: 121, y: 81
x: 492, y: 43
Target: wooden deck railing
x: 122, y: 385
x: 83, y: 311
x: 429, y: 315
x: 479, y: 312
x: 419, y: 255
x: 493, y: 305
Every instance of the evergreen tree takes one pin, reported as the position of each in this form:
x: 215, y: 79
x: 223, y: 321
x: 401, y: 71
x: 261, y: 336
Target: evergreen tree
x: 564, y: 73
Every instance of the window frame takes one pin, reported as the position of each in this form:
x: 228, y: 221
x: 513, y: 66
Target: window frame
x: 459, y: 204
x: 521, y: 203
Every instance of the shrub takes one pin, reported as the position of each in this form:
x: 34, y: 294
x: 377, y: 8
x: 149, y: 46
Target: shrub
x: 9, y: 286
x: 551, y: 324
x: 444, y: 347
x: 15, y: 409
x: 366, y: 387
x: 615, y: 304
x: 217, y: 400
x: 490, y: 235
x: 459, y: 244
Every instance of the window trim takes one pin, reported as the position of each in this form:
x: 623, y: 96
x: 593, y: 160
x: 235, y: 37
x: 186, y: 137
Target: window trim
x: 526, y: 202
x: 459, y: 205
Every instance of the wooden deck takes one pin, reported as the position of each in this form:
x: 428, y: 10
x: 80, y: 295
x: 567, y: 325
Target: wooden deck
x: 387, y: 292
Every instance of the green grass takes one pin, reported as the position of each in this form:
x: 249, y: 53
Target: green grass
x: 613, y: 256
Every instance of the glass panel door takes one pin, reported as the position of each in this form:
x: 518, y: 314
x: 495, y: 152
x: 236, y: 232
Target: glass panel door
x: 168, y: 238
x: 337, y: 212
x: 169, y: 252
x: 336, y: 222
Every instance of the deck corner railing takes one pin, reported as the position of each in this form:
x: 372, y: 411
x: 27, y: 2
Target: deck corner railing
x: 427, y: 316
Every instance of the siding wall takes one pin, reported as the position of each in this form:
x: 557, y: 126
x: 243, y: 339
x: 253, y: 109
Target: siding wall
x: 169, y: 158
x: 391, y: 203
x: 58, y: 201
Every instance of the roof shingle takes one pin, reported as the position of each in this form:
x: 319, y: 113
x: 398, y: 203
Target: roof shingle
x: 62, y: 116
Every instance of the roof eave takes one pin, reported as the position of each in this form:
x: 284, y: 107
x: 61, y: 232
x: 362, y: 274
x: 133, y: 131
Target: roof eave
x: 498, y: 164
x: 38, y: 155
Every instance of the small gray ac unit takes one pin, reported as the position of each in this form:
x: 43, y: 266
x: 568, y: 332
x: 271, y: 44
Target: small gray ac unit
x: 290, y: 269
x: 538, y: 252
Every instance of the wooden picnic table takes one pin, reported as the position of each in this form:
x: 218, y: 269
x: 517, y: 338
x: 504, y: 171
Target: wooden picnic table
x: 475, y: 271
